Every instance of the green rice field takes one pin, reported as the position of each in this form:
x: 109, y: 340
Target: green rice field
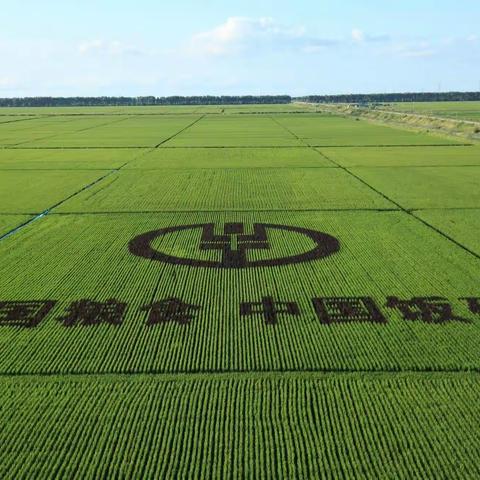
x: 458, y: 110
x: 236, y: 291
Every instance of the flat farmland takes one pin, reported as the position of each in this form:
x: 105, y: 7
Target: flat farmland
x: 458, y: 110
x: 193, y: 291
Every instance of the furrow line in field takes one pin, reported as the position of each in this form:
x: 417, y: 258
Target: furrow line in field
x: 86, y: 187
x: 47, y: 211
x: 180, y: 131
x: 275, y: 168
x: 277, y: 210
x: 405, y: 210
x: 246, y: 372
x: 100, y: 147
x: 24, y: 119
x: 74, y: 131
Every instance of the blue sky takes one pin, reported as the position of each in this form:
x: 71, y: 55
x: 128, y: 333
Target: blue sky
x: 86, y: 47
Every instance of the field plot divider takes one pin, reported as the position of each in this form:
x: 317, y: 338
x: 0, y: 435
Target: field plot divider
x: 294, y: 135
x: 74, y: 131
x: 25, y: 119
x: 203, y: 147
x: 199, y: 373
x: 180, y: 131
x: 403, y: 209
x: 95, y: 182
x: 48, y: 210
x: 61, y: 202
x: 242, y: 210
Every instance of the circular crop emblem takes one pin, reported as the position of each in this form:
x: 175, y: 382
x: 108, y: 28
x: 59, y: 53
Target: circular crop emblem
x: 233, y: 245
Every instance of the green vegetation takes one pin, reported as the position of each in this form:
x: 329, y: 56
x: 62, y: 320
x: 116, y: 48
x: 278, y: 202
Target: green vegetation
x: 404, y: 259
x: 410, y: 97
x: 9, y: 222
x: 457, y: 110
x: 230, y: 158
x: 229, y: 189
x: 288, y: 426
x: 388, y: 115
x: 30, y: 191
x: 404, y: 157
x: 144, y: 101
x: 462, y: 225
x: 328, y: 131
x: 194, y: 361
x: 427, y: 187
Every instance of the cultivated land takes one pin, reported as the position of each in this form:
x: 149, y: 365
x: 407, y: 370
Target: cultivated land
x: 176, y: 356
x: 458, y: 110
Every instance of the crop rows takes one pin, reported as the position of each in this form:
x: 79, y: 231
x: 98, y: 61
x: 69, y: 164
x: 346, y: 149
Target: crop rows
x: 406, y: 262
x: 235, y: 189
x: 9, y: 222
x: 339, y: 426
x: 197, y: 351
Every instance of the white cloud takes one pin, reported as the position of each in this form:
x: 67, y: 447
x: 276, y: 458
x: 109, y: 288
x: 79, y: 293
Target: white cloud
x: 231, y: 36
x: 413, y: 49
x: 111, y: 48
x: 239, y: 34
x: 7, y: 83
x: 242, y: 34
x: 319, y: 45
x: 417, y: 53
x: 358, y: 36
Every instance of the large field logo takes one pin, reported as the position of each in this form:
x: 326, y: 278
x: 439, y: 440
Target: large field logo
x: 234, y: 245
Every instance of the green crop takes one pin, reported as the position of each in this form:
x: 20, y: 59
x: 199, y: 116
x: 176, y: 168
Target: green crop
x: 246, y: 291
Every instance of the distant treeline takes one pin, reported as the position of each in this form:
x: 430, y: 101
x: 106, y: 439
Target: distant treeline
x: 236, y: 100
x: 140, y: 101
x: 392, y: 97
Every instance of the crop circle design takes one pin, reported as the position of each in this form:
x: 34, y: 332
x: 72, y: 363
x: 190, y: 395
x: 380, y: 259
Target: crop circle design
x: 236, y: 256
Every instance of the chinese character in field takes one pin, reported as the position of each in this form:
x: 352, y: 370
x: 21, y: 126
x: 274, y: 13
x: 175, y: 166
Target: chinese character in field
x: 347, y: 309
x: 24, y: 313
x: 425, y: 309
x: 170, y: 310
x: 234, y: 243
x: 473, y: 304
x: 91, y: 312
x: 269, y: 309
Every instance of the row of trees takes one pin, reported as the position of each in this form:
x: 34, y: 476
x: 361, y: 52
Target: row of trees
x: 236, y: 99
x: 392, y: 97
x: 135, y: 101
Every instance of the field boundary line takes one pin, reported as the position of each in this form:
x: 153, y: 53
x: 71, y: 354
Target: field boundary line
x: 180, y: 131
x: 112, y: 114
x: 143, y: 147
x: 25, y: 119
x: 56, y: 169
x: 405, y: 210
x: 249, y: 373
x: 248, y: 210
x: 70, y: 133
x: 86, y: 187
x: 110, y: 147
x: 385, y: 145
x: 47, y: 211
x: 412, y: 166
x: 426, y: 209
